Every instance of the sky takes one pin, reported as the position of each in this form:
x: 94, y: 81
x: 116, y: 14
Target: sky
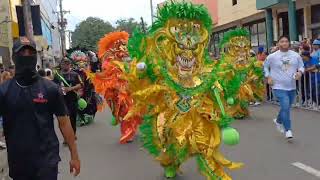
x: 109, y: 10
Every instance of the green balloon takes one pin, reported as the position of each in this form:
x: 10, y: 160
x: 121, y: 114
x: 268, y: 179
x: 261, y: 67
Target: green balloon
x: 170, y: 172
x: 230, y: 101
x: 230, y: 136
x: 82, y: 104
x: 113, y: 121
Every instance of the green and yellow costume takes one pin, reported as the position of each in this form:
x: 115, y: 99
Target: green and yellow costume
x: 243, y: 75
x: 175, y: 87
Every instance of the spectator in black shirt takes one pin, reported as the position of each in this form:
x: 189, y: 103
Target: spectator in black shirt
x: 70, y: 83
x: 42, y: 73
x: 27, y: 104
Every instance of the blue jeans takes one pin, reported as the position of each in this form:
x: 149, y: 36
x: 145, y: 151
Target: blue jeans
x: 286, y: 99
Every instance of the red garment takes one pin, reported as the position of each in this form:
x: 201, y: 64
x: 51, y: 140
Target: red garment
x: 110, y: 84
x: 261, y: 56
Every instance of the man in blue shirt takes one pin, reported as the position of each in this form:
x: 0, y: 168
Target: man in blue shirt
x: 312, y: 76
x: 27, y: 104
x: 316, y: 49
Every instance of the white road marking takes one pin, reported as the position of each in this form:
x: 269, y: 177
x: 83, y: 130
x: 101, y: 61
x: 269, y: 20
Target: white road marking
x: 306, y: 168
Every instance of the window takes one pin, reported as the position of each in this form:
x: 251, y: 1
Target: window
x: 216, y: 38
x: 262, y: 35
x: 234, y: 2
x: 254, y: 35
x: 315, y: 14
x: 258, y: 34
x: 315, y: 20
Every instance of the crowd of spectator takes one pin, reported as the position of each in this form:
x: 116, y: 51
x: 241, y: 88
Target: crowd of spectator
x: 309, y: 86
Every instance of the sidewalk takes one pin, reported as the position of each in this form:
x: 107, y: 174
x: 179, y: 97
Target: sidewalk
x: 4, y: 170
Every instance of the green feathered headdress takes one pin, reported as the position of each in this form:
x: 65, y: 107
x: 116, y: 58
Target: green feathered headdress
x: 182, y: 10
x: 231, y: 34
x: 136, y: 44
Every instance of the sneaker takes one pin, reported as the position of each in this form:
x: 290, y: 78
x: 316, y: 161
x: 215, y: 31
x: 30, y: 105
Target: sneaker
x: 257, y: 103
x: 279, y: 126
x: 289, y: 134
x: 2, y: 145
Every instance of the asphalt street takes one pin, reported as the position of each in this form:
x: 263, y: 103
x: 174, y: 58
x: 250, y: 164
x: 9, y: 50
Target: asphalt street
x: 266, y: 153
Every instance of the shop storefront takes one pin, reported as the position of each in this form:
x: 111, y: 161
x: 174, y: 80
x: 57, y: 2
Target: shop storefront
x: 258, y: 35
x: 315, y: 21
x: 216, y: 37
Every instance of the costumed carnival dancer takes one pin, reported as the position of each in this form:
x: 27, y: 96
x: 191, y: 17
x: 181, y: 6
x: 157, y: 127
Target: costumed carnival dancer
x: 243, y: 81
x: 115, y: 60
x: 82, y: 66
x: 175, y: 87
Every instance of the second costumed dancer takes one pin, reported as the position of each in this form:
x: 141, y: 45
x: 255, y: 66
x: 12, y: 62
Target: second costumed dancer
x: 82, y: 65
x: 242, y: 76
x: 115, y: 60
x: 175, y: 86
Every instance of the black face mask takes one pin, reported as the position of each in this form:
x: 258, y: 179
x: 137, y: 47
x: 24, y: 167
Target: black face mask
x: 26, y: 72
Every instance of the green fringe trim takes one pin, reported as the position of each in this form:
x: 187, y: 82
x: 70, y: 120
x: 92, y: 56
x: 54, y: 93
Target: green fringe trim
x: 208, y: 81
x: 146, y: 136
x: 182, y: 10
x: 150, y: 70
x: 231, y: 34
x: 137, y: 40
x: 244, y: 104
x: 225, y: 121
x: 205, y: 169
x: 178, y: 154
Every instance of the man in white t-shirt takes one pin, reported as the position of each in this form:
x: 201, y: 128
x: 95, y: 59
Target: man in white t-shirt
x: 282, y: 69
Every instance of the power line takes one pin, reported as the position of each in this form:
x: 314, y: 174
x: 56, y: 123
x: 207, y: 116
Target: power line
x: 62, y: 24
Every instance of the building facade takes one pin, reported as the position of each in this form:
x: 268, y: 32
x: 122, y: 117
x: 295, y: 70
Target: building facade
x: 50, y: 41
x: 48, y: 44
x: 266, y: 20
x: 8, y: 30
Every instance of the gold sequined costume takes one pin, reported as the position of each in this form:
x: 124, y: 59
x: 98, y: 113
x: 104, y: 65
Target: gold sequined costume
x: 175, y: 87
x: 243, y: 74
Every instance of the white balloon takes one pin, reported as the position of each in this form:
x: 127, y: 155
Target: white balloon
x: 141, y: 66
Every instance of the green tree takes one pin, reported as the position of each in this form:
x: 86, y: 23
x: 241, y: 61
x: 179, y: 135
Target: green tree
x: 88, y: 33
x: 128, y: 25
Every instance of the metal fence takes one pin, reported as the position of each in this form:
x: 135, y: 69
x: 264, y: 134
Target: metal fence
x: 308, y: 92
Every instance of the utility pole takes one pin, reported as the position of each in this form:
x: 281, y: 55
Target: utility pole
x: 27, y: 19
x: 143, y: 26
x: 70, y: 40
x: 69, y: 32
x: 62, y: 24
x: 151, y: 7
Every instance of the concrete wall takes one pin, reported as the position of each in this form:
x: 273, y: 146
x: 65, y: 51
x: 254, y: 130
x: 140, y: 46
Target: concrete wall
x: 212, y: 6
x: 228, y: 13
x: 5, y: 33
x: 48, y: 8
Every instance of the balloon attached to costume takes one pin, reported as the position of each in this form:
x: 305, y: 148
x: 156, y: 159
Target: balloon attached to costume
x: 111, y: 84
x: 175, y: 87
x: 242, y: 74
